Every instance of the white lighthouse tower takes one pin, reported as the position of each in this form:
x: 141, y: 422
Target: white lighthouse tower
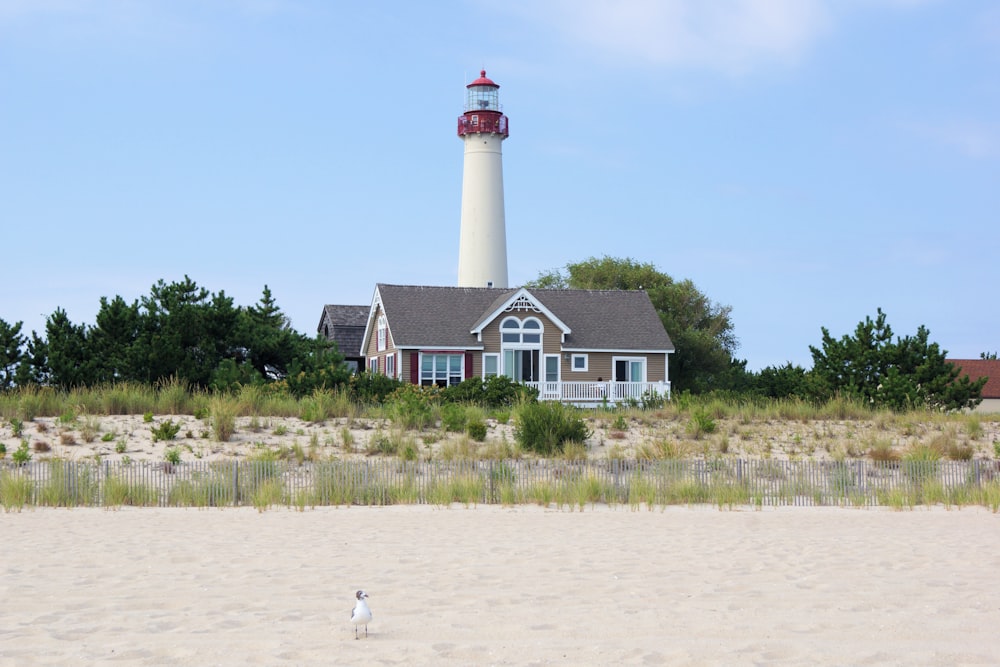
x: 482, y: 250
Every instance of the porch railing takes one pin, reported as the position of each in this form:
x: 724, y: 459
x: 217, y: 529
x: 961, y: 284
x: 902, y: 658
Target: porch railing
x: 596, y: 393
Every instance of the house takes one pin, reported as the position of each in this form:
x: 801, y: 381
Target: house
x: 576, y: 346
x: 345, y: 326
x: 978, y: 368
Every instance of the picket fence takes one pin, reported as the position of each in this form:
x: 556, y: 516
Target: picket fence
x: 385, y: 481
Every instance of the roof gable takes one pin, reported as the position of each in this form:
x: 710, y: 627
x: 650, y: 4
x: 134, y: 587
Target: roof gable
x: 521, y: 300
x: 449, y: 317
x: 346, y: 327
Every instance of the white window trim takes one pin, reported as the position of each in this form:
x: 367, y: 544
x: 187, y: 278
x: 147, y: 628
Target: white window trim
x: 381, y: 333
x: 495, y: 356
x: 572, y: 364
x: 645, y: 367
x: 544, y: 370
x: 373, y: 364
x: 447, y: 372
x: 391, y: 365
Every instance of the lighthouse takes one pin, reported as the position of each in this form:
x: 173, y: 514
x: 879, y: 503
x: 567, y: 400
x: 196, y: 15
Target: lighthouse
x: 482, y: 249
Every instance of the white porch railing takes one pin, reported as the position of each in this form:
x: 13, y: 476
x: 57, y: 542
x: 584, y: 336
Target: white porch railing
x: 596, y: 393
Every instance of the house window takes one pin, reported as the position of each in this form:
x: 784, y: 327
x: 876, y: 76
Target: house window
x: 579, y: 362
x: 630, y: 369
x: 441, y: 369
x: 521, y: 342
x: 390, y: 365
x: 381, y: 332
x: 373, y: 364
x: 552, y: 368
x: 491, y: 365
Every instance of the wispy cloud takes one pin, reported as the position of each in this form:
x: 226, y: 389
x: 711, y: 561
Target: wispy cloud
x: 971, y: 138
x: 733, y: 36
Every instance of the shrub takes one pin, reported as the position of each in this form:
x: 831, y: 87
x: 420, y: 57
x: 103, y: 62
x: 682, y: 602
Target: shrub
x: 3, y: 450
x: 223, y: 411
x: 882, y: 450
x: 168, y: 430
x: 172, y: 456
x: 701, y: 423
x: 17, y: 426
x: 545, y: 427
x: 412, y: 407
x: 476, y: 430
x: 21, y: 456
x: 453, y: 417
x: 369, y: 388
x: 147, y: 417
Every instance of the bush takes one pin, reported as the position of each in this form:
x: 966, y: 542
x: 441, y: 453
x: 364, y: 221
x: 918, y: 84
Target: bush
x: 546, y: 427
x: 372, y: 388
x: 412, y: 406
x: 476, y: 430
x: 453, y: 417
x: 168, y: 430
x: 223, y: 418
x: 22, y: 455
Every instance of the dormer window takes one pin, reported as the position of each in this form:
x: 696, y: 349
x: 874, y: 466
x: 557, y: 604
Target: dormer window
x: 382, y: 336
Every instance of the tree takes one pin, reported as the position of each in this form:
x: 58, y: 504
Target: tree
x: 113, y: 341
x: 68, y: 360
x: 271, y: 343
x: 989, y: 356
x: 701, y: 330
x: 11, y: 342
x: 904, y: 373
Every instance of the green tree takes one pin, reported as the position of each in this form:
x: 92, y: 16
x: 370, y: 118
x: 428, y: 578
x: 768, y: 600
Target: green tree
x: 187, y: 331
x: 701, y: 330
x: 11, y: 344
x: 33, y: 369
x: 113, y: 341
x: 271, y: 345
x: 908, y: 372
x: 68, y: 360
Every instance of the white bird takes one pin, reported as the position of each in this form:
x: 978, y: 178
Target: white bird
x: 361, y: 615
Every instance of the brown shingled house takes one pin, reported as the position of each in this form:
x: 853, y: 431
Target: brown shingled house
x: 979, y: 368
x: 345, y: 326
x: 576, y: 346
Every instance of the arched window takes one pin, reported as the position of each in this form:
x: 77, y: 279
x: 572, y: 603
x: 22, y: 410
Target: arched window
x: 521, y: 342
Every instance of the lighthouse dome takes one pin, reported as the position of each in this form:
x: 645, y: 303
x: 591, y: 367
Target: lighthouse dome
x: 483, y: 81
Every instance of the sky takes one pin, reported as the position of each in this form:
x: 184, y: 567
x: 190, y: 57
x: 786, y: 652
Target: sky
x: 804, y: 162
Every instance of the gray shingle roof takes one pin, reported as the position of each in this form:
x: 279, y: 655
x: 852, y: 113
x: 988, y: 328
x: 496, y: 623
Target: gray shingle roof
x: 598, y: 319
x: 347, y: 326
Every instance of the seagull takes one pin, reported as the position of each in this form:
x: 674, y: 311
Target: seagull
x: 361, y: 615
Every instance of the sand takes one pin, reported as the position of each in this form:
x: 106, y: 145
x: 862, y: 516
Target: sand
x: 113, y: 438
x: 500, y: 586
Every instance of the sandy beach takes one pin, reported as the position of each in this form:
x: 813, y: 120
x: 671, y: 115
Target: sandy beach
x: 500, y: 586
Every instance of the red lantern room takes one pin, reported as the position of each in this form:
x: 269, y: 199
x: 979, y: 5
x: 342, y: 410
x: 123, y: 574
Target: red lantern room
x: 482, y: 109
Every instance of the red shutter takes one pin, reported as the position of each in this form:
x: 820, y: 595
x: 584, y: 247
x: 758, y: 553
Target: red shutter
x: 414, y: 368
x: 468, y: 365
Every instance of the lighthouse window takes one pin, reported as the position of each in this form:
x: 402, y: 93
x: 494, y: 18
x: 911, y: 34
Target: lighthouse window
x: 475, y: 120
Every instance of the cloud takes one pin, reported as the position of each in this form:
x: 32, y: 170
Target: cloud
x: 732, y: 36
x: 971, y: 138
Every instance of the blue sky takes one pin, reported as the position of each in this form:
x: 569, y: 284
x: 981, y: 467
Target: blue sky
x: 803, y: 161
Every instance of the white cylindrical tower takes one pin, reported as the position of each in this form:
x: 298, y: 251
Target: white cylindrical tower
x: 482, y: 249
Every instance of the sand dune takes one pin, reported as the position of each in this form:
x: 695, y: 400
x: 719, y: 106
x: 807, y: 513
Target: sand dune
x: 504, y: 586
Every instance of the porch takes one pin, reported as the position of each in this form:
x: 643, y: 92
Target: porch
x: 593, y: 394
